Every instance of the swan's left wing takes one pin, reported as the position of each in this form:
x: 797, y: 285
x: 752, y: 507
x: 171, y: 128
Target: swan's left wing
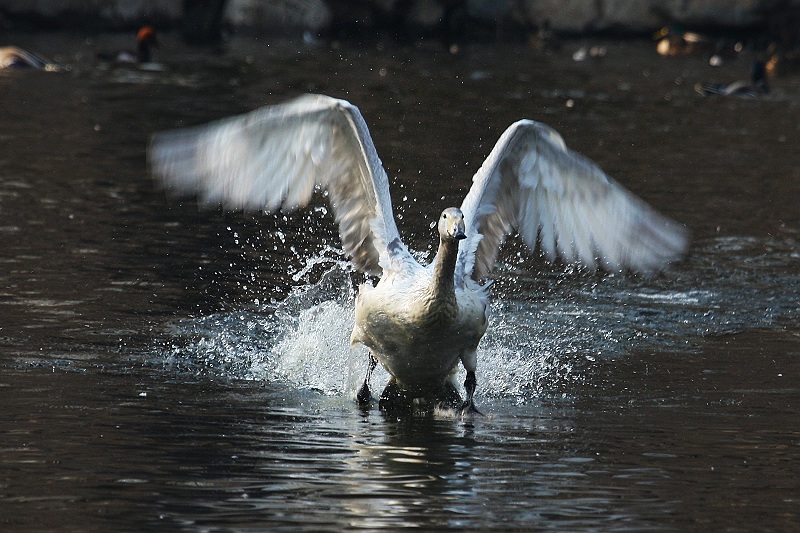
x: 277, y: 157
x: 532, y: 184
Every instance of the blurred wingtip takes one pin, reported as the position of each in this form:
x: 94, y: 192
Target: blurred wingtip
x: 170, y: 160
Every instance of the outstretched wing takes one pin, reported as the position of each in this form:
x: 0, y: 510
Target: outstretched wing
x: 276, y: 157
x: 532, y: 184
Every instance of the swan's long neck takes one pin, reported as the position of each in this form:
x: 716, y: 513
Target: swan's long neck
x: 442, y: 287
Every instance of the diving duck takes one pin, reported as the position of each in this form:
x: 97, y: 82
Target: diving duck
x: 145, y: 41
x: 419, y: 321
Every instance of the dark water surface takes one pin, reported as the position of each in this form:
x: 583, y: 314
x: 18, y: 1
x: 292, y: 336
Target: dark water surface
x: 165, y: 368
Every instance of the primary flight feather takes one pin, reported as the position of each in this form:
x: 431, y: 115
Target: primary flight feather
x: 419, y: 321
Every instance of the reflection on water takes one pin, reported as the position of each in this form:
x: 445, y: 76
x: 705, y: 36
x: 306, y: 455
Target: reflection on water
x: 174, y: 369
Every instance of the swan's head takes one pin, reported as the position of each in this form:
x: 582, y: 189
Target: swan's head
x: 451, y: 224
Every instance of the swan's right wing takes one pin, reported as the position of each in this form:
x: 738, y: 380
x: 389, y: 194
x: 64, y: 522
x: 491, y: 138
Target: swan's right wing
x: 277, y: 157
x: 531, y: 183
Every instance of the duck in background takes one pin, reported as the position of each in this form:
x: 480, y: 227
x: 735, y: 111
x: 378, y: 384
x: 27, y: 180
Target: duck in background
x: 782, y: 62
x: 13, y: 57
x: 747, y: 89
x: 143, y: 56
x: 544, y: 40
x: 593, y: 52
x: 675, y: 41
x: 782, y: 25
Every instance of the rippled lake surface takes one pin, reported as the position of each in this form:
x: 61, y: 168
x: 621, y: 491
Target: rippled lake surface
x: 175, y: 369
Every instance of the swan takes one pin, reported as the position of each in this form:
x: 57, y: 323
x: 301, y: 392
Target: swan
x: 418, y: 321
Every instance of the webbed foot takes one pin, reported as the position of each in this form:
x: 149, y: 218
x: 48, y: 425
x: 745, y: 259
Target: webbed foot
x: 468, y: 408
x: 364, y: 396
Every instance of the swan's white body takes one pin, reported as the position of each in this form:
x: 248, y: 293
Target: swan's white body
x: 419, y: 321
x: 420, y: 324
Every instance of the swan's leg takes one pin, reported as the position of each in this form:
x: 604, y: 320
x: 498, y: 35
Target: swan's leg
x: 469, y: 384
x: 364, y: 396
x: 470, y: 362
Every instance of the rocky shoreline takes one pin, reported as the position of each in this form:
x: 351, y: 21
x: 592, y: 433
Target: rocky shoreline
x: 495, y: 18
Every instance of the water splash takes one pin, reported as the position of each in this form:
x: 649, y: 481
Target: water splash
x: 303, y: 340
x: 547, y: 332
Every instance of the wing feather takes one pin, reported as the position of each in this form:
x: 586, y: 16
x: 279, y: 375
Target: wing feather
x: 276, y: 158
x: 531, y: 183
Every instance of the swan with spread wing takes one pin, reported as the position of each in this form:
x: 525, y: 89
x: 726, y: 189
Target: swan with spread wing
x: 419, y: 321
